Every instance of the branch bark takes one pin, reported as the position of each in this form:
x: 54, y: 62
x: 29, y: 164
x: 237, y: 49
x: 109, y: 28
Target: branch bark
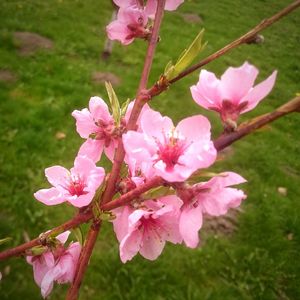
x: 84, y: 258
x: 138, y: 105
x: 250, y: 126
x: 83, y: 217
x: 241, y: 40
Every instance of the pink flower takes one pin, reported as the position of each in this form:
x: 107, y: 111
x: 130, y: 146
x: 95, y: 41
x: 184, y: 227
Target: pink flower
x: 151, y: 4
x: 234, y: 94
x: 213, y: 197
x: 146, y: 230
x: 77, y: 186
x: 172, y: 153
x: 170, y: 5
x: 131, y: 23
x: 58, y: 265
x: 98, y: 127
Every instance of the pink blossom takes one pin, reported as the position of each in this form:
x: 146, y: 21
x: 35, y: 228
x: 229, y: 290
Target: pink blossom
x: 172, y: 153
x: 150, y: 5
x: 97, y: 126
x: 234, y: 93
x: 77, y: 186
x: 131, y: 23
x: 146, y: 229
x: 58, y: 265
x: 170, y: 5
x: 213, y: 197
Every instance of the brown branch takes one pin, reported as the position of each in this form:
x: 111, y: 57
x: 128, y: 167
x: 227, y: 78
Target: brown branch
x: 126, y: 198
x: 82, y: 217
x: 138, y: 105
x: 241, y: 40
x: 248, y: 127
x: 72, y: 223
x: 84, y: 258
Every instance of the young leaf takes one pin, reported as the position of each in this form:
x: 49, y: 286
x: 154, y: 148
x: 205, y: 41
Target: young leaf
x: 158, y: 192
x: 37, y: 250
x: 114, y: 102
x: 124, y: 107
x: 186, y: 57
x: 5, y: 240
x: 78, y: 234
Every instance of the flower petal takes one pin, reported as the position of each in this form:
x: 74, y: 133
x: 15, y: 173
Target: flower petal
x: 236, y: 82
x: 189, y: 225
x: 130, y: 245
x: 63, y: 237
x: 152, y: 244
x: 99, y: 109
x: 121, y: 221
x: 92, y: 149
x: 82, y: 200
x: 259, y: 92
x: 57, y: 175
x: 195, y: 129
x: 155, y: 125
x: 207, y: 91
x: 50, y: 196
x: 85, y: 124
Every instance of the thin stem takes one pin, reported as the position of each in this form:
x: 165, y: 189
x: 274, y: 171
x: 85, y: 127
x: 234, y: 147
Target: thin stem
x: 83, y: 217
x: 72, y: 223
x: 241, y: 40
x: 126, y: 198
x: 84, y: 258
x: 138, y: 105
x: 249, y: 126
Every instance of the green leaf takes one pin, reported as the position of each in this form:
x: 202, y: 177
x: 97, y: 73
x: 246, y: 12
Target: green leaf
x: 157, y: 192
x: 203, y: 175
x: 114, y: 103
x: 186, y: 57
x: 124, y: 107
x: 38, y: 250
x: 5, y: 240
x: 78, y: 234
x: 107, y: 216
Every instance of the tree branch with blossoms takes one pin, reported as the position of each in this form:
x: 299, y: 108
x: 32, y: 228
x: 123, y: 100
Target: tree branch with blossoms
x: 156, y: 201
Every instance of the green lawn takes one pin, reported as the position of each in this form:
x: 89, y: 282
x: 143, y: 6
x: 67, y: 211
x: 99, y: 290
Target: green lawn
x: 261, y: 259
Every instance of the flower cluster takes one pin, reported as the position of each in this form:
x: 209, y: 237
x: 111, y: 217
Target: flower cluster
x: 56, y: 264
x: 133, y: 19
x: 157, y: 148
x: 234, y: 94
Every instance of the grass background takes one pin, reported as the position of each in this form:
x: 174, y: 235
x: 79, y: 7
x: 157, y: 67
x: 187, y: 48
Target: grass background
x: 261, y: 260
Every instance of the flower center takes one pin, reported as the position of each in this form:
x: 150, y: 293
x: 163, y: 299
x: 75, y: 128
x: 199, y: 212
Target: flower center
x: 171, y: 150
x: 76, y: 185
x: 105, y: 131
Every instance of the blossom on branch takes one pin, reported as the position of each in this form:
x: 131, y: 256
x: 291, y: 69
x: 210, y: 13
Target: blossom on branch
x: 214, y: 197
x: 170, y: 5
x: 77, y: 186
x: 150, y: 4
x: 146, y: 229
x: 173, y: 153
x: 233, y: 94
x: 96, y: 125
x: 58, y: 264
x: 130, y: 24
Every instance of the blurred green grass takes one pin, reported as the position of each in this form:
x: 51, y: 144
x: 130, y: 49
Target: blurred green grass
x: 261, y: 259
